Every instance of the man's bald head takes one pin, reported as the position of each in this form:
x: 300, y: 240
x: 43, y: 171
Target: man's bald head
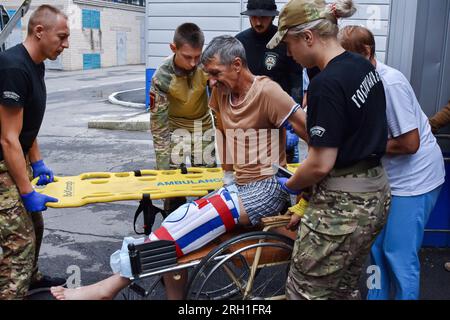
x: 45, y: 16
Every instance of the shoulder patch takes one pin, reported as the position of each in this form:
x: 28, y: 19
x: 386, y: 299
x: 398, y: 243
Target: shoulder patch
x: 152, y: 101
x: 11, y: 95
x: 317, y: 132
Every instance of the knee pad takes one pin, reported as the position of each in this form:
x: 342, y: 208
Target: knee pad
x: 195, y: 224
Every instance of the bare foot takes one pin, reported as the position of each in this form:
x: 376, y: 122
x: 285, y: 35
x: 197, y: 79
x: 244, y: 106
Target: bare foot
x: 58, y: 293
x: 81, y: 293
x: 104, y: 290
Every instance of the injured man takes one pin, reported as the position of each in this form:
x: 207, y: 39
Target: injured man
x: 251, y: 114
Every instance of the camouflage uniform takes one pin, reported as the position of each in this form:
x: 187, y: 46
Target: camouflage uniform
x: 334, y: 241
x: 180, y: 101
x: 20, y: 239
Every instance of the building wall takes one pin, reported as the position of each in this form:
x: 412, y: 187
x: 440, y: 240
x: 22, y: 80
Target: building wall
x: 423, y: 55
x: 20, y: 35
x: 223, y: 17
x: 116, y: 21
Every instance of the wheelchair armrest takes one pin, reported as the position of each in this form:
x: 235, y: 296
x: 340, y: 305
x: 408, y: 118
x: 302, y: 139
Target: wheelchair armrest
x: 152, y: 256
x: 276, y: 221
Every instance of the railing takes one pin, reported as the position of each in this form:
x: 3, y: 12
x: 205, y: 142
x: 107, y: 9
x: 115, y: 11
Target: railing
x: 4, y: 18
x: 6, y: 31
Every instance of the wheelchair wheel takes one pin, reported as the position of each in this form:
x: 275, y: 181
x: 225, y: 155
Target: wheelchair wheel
x: 144, y: 289
x: 251, y: 266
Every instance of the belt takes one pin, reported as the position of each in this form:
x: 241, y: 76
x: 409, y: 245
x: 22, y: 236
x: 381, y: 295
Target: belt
x: 357, y: 168
x: 341, y: 180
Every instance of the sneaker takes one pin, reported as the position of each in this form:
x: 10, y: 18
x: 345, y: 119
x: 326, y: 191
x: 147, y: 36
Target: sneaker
x: 44, y: 284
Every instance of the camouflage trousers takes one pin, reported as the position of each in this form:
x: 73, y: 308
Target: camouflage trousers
x: 334, y: 241
x: 20, y: 239
x: 201, y: 153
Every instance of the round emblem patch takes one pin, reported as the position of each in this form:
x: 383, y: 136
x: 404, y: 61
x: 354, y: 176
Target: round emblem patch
x: 271, y: 60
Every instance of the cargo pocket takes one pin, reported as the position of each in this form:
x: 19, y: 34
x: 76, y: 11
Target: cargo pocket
x: 319, y: 253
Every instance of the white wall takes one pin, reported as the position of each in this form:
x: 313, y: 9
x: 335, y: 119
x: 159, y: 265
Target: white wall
x: 114, y: 18
x: 64, y: 59
x: 223, y: 17
x: 104, y: 41
x: 423, y: 55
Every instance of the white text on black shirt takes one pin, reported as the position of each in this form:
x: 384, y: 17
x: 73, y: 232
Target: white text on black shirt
x: 361, y: 95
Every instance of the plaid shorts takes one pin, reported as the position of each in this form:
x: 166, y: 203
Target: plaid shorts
x: 262, y: 199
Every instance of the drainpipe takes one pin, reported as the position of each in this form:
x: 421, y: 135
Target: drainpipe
x: 240, y: 16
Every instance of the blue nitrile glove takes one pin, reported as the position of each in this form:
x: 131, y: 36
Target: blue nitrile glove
x: 291, y: 140
x: 35, y: 202
x: 44, y: 173
x: 296, y: 155
x: 289, y: 127
x: 282, y: 182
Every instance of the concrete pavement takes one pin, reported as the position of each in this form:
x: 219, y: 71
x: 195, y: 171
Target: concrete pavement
x: 137, y: 120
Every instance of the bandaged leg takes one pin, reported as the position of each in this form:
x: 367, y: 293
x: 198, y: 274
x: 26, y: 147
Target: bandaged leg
x: 191, y: 226
x: 195, y: 224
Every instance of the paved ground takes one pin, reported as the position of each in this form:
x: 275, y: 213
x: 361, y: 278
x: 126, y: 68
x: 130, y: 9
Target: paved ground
x: 134, y: 96
x: 84, y: 238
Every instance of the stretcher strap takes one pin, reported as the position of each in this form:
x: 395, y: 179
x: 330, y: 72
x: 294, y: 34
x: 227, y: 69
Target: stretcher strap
x: 223, y: 211
x: 201, y: 202
x: 149, y: 211
x: 163, y: 234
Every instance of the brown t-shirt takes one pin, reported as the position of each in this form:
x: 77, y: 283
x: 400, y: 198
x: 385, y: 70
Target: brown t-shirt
x: 252, y: 129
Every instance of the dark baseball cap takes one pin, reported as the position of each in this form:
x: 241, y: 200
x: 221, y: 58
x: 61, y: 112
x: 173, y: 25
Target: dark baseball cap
x: 261, y: 8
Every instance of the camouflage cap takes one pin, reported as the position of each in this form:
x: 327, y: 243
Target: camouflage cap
x: 295, y: 13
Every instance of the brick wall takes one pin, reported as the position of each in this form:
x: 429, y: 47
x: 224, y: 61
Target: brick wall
x: 116, y: 20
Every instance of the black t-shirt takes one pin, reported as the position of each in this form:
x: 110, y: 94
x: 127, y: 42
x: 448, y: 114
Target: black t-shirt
x: 347, y: 110
x: 312, y: 72
x: 273, y: 63
x: 22, y: 86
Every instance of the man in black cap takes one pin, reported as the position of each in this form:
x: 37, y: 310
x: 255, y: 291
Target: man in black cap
x: 262, y: 61
x: 273, y: 63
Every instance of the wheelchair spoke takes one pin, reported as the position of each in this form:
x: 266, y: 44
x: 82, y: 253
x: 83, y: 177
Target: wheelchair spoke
x: 251, y: 270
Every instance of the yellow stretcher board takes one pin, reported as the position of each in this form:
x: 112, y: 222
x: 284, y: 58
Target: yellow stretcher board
x: 99, y: 187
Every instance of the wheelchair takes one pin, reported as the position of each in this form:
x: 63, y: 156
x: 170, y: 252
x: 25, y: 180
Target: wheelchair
x: 245, y: 264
